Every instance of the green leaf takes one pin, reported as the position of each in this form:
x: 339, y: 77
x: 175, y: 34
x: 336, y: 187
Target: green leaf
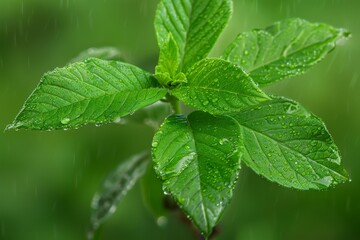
x: 288, y: 145
x: 217, y: 86
x: 168, y: 64
x: 198, y: 160
x: 194, y: 24
x: 114, y: 188
x: 93, y: 91
x: 105, y: 53
x: 287, y: 48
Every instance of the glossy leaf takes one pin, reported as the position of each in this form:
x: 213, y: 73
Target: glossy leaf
x: 104, y: 53
x: 166, y: 71
x: 194, y: 24
x: 93, y: 91
x: 115, y: 187
x: 288, y: 145
x: 217, y: 86
x: 198, y: 160
x: 287, y: 48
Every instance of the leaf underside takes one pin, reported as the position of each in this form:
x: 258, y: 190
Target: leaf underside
x: 197, y: 159
x: 288, y: 145
x: 104, y: 53
x: 287, y: 48
x: 194, y: 24
x: 217, y: 86
x: 93, y: 91
x: 115, y: 187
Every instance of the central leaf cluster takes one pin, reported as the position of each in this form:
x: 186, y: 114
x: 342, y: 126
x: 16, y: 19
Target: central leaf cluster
x: 198, y: 156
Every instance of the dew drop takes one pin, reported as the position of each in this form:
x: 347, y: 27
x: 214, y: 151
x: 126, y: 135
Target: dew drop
x: 117, y: 120
x: 162, y: 221
x: 65, y: 121
x: 112, y: 209
x: 205, y: 103
x: 223, y: 141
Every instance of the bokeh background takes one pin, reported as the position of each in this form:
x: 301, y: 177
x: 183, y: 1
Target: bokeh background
x: 47, y: 179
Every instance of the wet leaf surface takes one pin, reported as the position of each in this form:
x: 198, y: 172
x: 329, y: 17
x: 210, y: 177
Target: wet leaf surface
x: 194, y: 24
x: 288, y: 145
x: 92, y: 91
x: 287, y: 48
x: 217, y: 86
x: 198, y: 160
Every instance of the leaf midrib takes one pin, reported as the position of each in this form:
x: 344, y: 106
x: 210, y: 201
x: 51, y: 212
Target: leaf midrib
x: 186, y: 38
x: 92, y: 98
x: 329, y: 40
x: 206, y: 217
x: 289, y: 148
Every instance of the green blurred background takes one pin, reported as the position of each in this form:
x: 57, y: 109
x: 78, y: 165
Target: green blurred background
x: 47, y: 179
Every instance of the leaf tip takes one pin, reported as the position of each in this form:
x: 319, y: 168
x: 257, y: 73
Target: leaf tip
x: 343, y: 35
x: 13, y: 126
x: 344, y: 32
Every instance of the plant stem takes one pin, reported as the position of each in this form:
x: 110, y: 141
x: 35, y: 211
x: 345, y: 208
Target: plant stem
x: 175, y: 103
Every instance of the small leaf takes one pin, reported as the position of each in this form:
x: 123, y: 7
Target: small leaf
x: 217, y: 86
x: 168, y: 64
x: 198, y: 161
x: 114, y: 188
x: 93, y: 91
x: 194, y: 24
x: 287, y: 48
x: 104, y: 53
x: 288, y: 145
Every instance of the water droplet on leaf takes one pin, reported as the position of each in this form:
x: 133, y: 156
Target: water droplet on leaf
x: 205, y: 103
x: 65, y: 121
x: 117, y: 120
x: 155, y: 144
x: 223, y: 141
